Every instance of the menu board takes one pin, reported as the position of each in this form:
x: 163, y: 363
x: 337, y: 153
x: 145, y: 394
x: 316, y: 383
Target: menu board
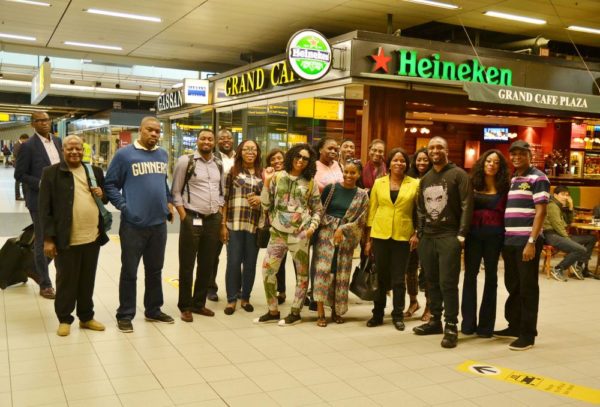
x: 537, y: 155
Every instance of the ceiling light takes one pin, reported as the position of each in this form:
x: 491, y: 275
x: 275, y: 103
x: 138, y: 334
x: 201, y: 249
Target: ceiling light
x: 435, y: 4
x: 17, y: 37
x: 88, y: 45
x: 31, y: 3
x: 123, y: 15
x: 584, y: 29
x: 515, y: 17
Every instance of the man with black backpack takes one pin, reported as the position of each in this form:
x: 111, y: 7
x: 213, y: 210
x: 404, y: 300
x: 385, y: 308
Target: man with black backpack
x: 198, y: 197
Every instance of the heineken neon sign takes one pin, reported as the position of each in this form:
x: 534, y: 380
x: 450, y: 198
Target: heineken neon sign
x: 409, y: 64
x: 309, y: 54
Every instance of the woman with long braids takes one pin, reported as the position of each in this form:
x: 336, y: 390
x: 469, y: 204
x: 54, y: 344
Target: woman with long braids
x: 491, y: 182
x: 344, y: 218
x: 294, y: 205
x: 419, y: 166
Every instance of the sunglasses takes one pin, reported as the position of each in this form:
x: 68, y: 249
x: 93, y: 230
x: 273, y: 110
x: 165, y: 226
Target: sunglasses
x: 301, y: 157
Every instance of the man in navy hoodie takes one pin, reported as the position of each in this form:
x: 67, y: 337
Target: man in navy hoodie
x: 136, y: 184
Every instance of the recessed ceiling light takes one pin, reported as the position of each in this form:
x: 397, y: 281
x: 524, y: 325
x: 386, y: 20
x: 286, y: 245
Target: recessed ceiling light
x: 584, y: 29
x: 17, y: 37
x: 435, y: 4
x: 88, y: 45
x: 31, y: 3
x: 123, y: 15
x: 515, y: 17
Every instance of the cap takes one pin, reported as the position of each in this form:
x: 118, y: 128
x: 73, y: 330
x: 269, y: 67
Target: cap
x: 521, y: 145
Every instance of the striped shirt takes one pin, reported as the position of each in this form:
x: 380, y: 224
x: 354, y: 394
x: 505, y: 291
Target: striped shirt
x: 240, y: 216
x: 526, y: 191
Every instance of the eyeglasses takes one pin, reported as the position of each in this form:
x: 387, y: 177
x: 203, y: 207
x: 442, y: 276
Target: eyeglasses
x: 249, y: 150
x: 353, y: 161
x: 41, y: 120
x: 301, y: 157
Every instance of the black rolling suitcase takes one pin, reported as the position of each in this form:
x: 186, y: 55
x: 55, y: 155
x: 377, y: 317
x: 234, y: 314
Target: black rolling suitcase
x: 16, y: 259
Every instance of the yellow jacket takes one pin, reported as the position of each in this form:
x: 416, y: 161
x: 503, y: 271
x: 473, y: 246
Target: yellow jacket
x: 392, y: 220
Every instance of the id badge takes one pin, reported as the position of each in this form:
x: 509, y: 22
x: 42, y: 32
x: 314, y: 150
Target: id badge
x: 197, y: 222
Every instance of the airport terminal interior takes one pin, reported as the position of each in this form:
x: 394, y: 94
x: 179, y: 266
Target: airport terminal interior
x: 480, y: 73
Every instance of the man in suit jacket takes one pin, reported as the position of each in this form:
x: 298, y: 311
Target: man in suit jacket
x: 42, y: 149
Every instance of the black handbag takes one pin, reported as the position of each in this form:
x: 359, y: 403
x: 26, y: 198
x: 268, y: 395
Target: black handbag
x: 263, y: 234
x: 364, y: 281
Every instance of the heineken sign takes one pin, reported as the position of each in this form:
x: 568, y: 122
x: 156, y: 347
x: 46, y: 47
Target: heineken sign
x: 433, y: 67
x: 309, y: 54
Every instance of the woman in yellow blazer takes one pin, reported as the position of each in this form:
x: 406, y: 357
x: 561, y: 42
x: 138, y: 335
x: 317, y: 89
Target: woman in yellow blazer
x: 392, y: 234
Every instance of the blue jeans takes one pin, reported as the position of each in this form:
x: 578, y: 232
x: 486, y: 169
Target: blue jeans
x: 40, y: 260
x: 241, y: 250
x: 488, y: 248
x: 137, y: 243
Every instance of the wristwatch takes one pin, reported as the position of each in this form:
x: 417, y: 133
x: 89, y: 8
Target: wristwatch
x: 531, y: 240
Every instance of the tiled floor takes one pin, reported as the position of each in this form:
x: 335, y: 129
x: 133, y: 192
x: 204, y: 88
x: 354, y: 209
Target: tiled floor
x: 227, y: 360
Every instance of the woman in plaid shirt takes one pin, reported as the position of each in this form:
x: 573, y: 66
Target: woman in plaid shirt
x: 242, y: 214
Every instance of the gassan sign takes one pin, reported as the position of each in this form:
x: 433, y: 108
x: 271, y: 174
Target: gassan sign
x: 309, y: 54
x: 172, y: 99
x: 409, y: 63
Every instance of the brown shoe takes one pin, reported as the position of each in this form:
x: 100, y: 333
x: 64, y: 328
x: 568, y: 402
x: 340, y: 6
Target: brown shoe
x: 48, y: 293
x: 203, y: 311
x: 186, y: 316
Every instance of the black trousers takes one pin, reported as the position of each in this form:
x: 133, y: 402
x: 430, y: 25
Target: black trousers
x: 212, y: 283
x: 391, y: 260
x: 440, y: 258
x: 75, y: 278
x: 197, y: 244
x: 521, y: 281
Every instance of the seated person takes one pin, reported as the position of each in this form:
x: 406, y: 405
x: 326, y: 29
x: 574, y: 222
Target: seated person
x: 578, y: 247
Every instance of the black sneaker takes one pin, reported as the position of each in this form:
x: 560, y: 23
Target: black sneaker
x: 161, y: 317
x: 578, y: 272
x: 558, y: 274
x: 507, y: 333
x: 450, y: 336
x: 291, y: 319
x: 268, y: 317
x: 374, y: 321
x: 125, y: 325
x: 433, y: 327
x: 521, y: 344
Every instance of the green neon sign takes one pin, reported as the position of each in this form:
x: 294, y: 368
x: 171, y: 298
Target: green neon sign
x: 432, y: 67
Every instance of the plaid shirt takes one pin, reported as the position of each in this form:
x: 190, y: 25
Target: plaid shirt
x: 240, y: 216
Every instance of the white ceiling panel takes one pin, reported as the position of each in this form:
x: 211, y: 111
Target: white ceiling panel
x: 218, y: 31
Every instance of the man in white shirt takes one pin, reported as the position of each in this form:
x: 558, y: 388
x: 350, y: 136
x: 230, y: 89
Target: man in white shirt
x: 41, y: 150
x: 226, y: 152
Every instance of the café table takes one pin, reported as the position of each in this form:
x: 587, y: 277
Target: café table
x: 590, y: 227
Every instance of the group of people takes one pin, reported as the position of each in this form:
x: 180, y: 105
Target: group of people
x: 406, y: 213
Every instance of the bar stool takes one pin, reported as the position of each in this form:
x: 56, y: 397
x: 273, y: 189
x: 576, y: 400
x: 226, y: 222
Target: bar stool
x: 547, y: 252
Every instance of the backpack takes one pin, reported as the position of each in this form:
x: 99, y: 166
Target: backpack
x: 189, y: 172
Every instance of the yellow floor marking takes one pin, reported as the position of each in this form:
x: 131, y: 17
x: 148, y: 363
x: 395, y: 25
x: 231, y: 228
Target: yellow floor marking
x: 173, y: 281
x: 532, y: 381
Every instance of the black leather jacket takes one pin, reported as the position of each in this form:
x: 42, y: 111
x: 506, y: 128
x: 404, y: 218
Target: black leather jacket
x: 55, y: 204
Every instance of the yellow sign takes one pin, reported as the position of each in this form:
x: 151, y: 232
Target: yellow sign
x: 532, y: 381
x: 173, y: 281
x: 4, y: 117
x: 323, y: 109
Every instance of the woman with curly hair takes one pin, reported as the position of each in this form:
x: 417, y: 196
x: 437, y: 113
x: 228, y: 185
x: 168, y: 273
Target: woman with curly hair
x: 240, y: 221
x: 491, y: 181
x: 419, y: 165
x: 293, y: 201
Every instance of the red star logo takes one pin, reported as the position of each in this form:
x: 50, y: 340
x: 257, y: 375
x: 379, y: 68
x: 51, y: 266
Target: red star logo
x: 313, y: 41
x: 381, y: 60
